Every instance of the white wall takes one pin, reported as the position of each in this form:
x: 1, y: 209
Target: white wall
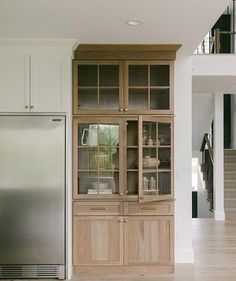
x: 202, y: 115
x: 183, y: 159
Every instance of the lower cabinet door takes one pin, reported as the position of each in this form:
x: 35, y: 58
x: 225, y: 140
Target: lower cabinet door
x: 97, y: 240
x: 148, y: 240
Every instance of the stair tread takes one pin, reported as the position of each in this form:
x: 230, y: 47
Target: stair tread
x: 229, y: 180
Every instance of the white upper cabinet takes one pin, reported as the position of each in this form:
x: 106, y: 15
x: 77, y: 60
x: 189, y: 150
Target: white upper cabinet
x: 34, y: 83
x: 48, y: 92
x: 14, y: 84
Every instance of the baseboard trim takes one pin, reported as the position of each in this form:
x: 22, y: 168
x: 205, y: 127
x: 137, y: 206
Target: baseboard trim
x: 219, y: 216
x: 116, y: 271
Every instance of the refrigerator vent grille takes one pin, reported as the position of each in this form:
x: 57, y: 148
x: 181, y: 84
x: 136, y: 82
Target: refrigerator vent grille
x: 29, y: 271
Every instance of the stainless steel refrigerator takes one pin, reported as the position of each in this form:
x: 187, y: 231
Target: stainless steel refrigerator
x: 32, y: 197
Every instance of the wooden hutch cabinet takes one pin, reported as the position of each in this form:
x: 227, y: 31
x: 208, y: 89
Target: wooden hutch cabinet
x: 123, y: 169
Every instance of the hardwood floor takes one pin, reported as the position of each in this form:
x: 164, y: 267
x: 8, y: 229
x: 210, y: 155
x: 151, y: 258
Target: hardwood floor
x: 215, y: 257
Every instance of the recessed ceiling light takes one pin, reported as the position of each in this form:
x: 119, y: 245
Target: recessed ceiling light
x: 134, y: 22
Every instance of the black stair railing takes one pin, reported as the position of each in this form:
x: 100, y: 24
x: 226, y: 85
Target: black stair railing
x: 207, y: 168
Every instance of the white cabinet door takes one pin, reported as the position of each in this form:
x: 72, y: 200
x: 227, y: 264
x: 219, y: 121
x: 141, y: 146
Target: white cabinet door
x: 14, y: 83
x: 48, y: 92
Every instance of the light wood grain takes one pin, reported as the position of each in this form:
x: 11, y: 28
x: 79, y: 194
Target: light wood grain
x: 148, y: 240
x: 97, y: 241
x: 97, y: 208
x: 149, y: 209
x: 126, y: 51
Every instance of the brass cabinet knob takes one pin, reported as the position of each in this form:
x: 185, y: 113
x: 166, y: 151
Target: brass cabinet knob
x: 120, y: 220
x: 26, y: 107
x: 125, y: 109
x: 31, y: 106
x: 121, y: 109
x: 141, y: 197
x: 125, y: 220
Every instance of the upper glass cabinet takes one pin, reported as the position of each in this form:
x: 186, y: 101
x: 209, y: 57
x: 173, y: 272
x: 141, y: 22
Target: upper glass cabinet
x: 140, y: 87
x: 97, y: 86
x: 148, y: 87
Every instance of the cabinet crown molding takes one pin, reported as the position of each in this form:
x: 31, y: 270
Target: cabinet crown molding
x: 126, y: 51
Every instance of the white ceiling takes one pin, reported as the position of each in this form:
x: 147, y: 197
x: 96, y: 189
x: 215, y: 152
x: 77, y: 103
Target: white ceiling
x: 103, y: 21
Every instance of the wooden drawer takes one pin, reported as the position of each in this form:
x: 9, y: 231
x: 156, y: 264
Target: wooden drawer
x: 97, y: 208
x: 153, y: 208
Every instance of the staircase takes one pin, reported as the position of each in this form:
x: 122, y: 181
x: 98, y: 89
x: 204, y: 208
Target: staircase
x: 230, y: 183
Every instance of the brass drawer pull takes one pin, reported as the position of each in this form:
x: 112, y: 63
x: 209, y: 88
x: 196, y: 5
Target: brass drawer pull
x: 98, y: 209
x: 148, y: 208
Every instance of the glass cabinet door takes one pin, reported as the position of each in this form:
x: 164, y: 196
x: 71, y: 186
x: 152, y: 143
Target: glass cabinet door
x: 97, y: 86
x: 97, y: 160
x: 155, y: 159
x: 131, y: 145
x: 148, y: 87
